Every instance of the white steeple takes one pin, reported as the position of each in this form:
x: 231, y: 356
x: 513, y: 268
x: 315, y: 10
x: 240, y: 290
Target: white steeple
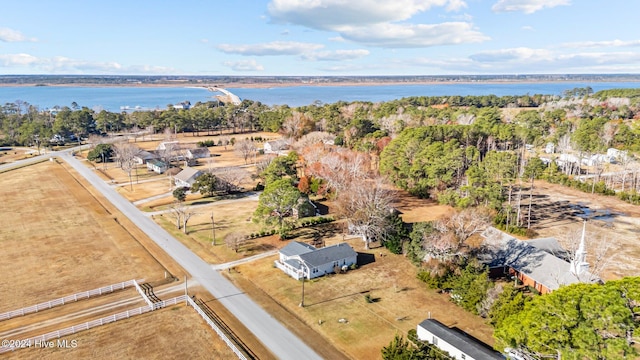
x: 579, y: 264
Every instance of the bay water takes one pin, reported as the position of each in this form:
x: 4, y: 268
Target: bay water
x: 117, y: 99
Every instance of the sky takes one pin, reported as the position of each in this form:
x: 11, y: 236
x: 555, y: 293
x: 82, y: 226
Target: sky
x: 319, y: 37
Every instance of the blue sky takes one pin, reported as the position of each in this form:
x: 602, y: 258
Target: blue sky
x: 319, y: 37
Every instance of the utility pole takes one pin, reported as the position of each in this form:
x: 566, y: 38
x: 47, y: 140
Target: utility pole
x: 213, y: 230
x: 303, y: 278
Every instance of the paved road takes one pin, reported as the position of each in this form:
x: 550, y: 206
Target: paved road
x: 278, y: 339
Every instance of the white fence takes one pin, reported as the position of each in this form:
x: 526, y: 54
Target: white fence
x: 144, y: 296
x: 66, y: 299
x: 41, y: 340
x: 215, y: 327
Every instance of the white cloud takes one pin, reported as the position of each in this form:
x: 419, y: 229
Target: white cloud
x: 337, y: 55
x: 328, y: 14
x: 411, y: 36
x: 244, y: 65
x: 272, y: 48
x: 543, y: 60
x: 610, y: 43
x: 527, y: 6
x: 380, y: 23
x: 337, y: 39
x: 10, y: 35
x: 13, y: 60
x: 64, y: 65
x: 518, y: 54
x: 528, y: 28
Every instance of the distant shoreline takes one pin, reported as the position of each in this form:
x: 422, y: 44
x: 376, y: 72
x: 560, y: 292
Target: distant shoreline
x: 261, y: 85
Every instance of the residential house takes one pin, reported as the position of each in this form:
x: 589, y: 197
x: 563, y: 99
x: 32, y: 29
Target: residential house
x: 279, y: 147
x: 168, y: 145
x: 299, y: 260
x: 143, y: 156
x: 187, y: 177
x: 157, y: 166
x: 457, y: 343
x: 539, y: 263
x: 198, y: 153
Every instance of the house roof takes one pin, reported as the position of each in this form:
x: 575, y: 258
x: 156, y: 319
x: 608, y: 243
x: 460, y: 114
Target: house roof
x: 156, y: 162
x: 188, y: 173
x: 295, y: 248
x: 540, y: 259
x: 146, y: 155
x: 203, y: 151
x: 328, y: 254
x: 280, y: 144
x: 460, y: 340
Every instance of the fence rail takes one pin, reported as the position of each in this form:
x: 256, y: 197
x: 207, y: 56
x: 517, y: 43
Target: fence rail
x: 144, y: 296
x: 67, y: 299
x: 215, y: 327
x: 41, y: 340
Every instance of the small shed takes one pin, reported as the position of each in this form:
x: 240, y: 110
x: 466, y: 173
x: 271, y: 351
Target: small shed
x: 198, y: 153
x: 276, y: 146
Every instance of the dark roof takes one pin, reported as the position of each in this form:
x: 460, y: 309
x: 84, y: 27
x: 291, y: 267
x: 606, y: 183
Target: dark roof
x: 328, y: 254
x: 296, y: 248
x: 460, y: 340
x: 157, y: 163
x: 147, y: 155
x: 203, y: 152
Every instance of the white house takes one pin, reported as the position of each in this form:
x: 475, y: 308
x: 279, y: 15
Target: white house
x: 616, y: 155
x: 276, y: 147
x: 168, y: 145
x: 197, y: 153
x: 157, y: 166
x: 187, y: 177
x: 143, y: 156
x: 299, y: 259
x: 457, y: 343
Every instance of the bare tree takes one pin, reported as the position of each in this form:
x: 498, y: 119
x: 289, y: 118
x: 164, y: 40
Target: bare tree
x: 368, y: 207
x: 230, y: 179
x: 597, y: 249
x: 468, y: 222
x: 125, y: 155
x: 234, y: 240
x: 244, y: 149
x: 297, y: 125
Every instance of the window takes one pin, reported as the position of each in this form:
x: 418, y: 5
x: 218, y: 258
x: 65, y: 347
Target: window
x: 435, y: 340
x: 463, y: 356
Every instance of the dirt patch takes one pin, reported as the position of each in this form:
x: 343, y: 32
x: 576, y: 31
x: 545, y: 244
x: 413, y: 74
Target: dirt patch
x: 558, y: 211
x: 413, y: 209
x: 401, y: 302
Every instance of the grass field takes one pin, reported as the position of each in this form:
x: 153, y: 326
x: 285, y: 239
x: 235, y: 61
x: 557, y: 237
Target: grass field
x: 401, y: 301
x: 57, y: 240
x: 176, y: 332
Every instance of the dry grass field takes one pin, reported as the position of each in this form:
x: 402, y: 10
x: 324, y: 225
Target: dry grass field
x: 401, y: 301
x: 60, y: 240
x: 177, y: 332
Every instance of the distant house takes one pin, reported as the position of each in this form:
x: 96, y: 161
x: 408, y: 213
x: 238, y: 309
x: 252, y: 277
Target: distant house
x: 303, y: 260
x: 457, y: 343
x: 183, y: 105
x: 187, y: 177
x: 168, y: 145
x: 279, y: 147
x: 539, y: 263
x: 143, y: 156
x: 616, y: 155
x: 197, y: 153
x: 157, y: 166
